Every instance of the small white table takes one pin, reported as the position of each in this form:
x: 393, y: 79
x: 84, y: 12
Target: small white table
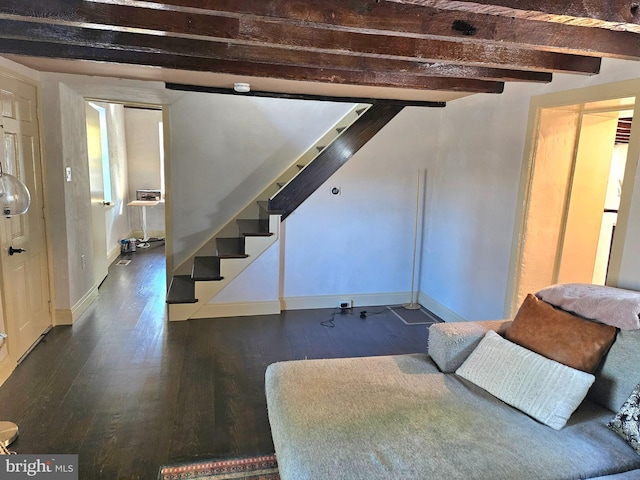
x: 143, y: 204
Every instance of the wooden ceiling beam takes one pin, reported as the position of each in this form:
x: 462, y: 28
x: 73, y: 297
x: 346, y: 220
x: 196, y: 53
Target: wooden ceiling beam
x: 392, y: 18
x: 304, y: 96
x: 287, y: 72
x: 63, y: 34
x: 224, y: 19
x: 611, y: 14
x: 425, y: 49
x: 258, y: 30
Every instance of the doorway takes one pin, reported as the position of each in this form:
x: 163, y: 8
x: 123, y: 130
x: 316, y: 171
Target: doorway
x: 572, y: 193
x: 612, y: 198
x: 125, y: 156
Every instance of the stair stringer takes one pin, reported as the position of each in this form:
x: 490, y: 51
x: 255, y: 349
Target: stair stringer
x: 327, y: 139
x: 230, y: 268
x: 250, y: 210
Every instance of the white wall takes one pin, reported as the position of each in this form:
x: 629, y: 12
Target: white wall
x: 225, y: 149
x: 361, y: 242
x: 65, y: 144
x: 475, y: 182
x: 258, y: 283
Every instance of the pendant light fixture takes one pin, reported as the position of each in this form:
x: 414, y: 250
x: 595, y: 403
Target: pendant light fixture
x: 14, y: 195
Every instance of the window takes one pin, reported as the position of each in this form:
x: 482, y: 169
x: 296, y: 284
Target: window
x: 104, y: 147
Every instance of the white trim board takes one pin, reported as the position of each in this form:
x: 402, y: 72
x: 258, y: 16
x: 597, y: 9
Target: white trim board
x: 444, y: 312
x: 113, y: 255
x: 245, y: 309
x: 69, y: 316
x: 357, y: 300
x: 7, y: 366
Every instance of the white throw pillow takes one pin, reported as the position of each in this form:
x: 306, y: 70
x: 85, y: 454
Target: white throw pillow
x: 544, y: 389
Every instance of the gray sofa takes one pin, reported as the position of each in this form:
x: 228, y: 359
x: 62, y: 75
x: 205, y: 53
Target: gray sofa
x: 411, y: 417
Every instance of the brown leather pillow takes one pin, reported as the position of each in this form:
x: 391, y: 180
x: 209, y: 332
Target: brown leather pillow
x: 559, y: 335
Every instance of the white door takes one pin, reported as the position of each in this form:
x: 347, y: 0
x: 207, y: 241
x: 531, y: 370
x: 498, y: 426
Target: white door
x: 96, y: 148
x: 25, y: 275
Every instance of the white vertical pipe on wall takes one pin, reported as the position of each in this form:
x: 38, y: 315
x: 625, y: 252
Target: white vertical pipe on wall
x: 417, y: 229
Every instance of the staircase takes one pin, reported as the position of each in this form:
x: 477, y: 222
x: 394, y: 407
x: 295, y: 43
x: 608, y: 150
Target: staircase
x: 256, y: 228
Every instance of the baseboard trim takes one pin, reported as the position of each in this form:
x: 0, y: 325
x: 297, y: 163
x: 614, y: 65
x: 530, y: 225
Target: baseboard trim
x: 444, y: 312
x: 113, y: 255
x: 358, y: 300
x: 69, y: 316
x: 244, y: 309
x: 151, y: 233
x: 218, y: 310
x: 7, y: 366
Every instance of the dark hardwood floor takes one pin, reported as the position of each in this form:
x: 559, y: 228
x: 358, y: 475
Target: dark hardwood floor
x: 128, y: 391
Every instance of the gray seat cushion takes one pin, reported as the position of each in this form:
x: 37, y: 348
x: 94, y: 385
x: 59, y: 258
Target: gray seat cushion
x: 451, y: 343
x: 620, y: 371
x: 397, y: 417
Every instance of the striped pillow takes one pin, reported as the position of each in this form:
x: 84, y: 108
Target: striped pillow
x: 543, y: 389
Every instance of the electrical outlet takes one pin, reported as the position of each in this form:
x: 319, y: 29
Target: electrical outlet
x: 344, y: 304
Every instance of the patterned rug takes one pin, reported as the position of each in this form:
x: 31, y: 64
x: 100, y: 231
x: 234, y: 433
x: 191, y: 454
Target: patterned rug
x: 252, y: 468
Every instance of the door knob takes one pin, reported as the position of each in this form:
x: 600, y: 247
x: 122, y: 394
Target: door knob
x: 16, y: 250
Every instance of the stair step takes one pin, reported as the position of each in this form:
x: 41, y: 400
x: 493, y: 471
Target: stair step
x: 230, y: 247
x: 206, y: 269
x: 264, y: 207
x: 182, y: 290
x: 254, y: 228
x: 341, y: 129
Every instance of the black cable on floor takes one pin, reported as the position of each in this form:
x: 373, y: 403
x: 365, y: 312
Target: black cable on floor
x: 330, y: 323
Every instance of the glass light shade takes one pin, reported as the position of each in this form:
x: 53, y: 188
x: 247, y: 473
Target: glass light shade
x: 14, y: 196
